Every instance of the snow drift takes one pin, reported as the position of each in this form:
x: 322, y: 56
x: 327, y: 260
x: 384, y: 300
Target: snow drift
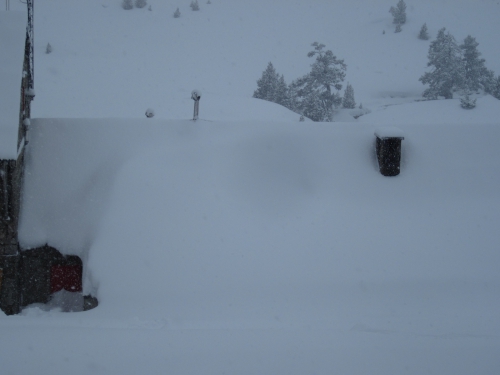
x: 214, y: 221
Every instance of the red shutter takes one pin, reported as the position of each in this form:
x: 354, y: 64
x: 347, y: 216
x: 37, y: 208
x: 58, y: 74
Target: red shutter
x: 65, y: 277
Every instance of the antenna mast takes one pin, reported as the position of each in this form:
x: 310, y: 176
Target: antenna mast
x: 30, y: 41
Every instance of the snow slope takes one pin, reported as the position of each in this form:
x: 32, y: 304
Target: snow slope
x: 108, y: 62
x: 247, y: 242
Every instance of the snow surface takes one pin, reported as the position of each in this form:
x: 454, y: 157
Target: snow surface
x: 247, y: 242
x: 249, y: 247
x: 12, y: 38
x: 389, y: 132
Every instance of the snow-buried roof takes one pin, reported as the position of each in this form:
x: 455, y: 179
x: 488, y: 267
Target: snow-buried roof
x: 12, y: 39
x: 187, y: 209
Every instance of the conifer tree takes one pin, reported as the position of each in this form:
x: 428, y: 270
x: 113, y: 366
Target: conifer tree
x: 348, y: 99
x: 398, y: 28
x: 272, y: 87
x: 194, y: 5
x: 267, y: 84
x: 314, y: 92
x: 177, y: 13
x: 495, y: 91
x: 423, y: 34
x: 448, y: 73
x: 127, y: 4
x: 466, y: 102
x: 399, y: 13
x: 476, y: 73
x: 281, y: 93
x: 140, y: 3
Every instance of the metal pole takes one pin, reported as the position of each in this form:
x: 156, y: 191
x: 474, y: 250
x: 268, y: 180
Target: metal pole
x: 196, y: 109
x: 31, y: 39
x: 196, y: 96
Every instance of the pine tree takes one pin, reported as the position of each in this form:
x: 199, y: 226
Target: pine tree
x: 313, y: 93
x: 127, y: 4
x: 267, y: 84
x: 495, y: 91
x: 281, y: 93
x: 177, y: 13
x: 140, y: 3
x: 48, y: 49
x: 398, y: 28
x: 348, y: 99
x: 194, y: 5
x: 423, y: 34
x: 448, y: 73
x: 476, y: 74
x: 488, y: 81
x: 399, y: 13
x: 466, y: 102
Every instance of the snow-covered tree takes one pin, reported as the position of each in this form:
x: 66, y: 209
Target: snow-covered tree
x: 127, y: 4
x: 466, y: 102
x: 424, y: 33
x: 141, y: 3
x: 313, y: 95
x: 177, y: 13
x: 348, y: 99
x: 448, y: 73
x: 281, y: 92
x: 488, y: 81
x: 399, y: 13
x: 272, y: 87
x: 194, y: 5
x: 495, y: 89
x: 48, y: 49
x: 267, y: 84
x: 476, y: 73
x: 398, y: 28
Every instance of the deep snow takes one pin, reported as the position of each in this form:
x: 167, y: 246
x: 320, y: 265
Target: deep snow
x: 266, y: 247
x: 248, y: 242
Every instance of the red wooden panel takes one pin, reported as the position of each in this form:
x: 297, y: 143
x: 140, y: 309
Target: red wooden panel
x: 66, y: 277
